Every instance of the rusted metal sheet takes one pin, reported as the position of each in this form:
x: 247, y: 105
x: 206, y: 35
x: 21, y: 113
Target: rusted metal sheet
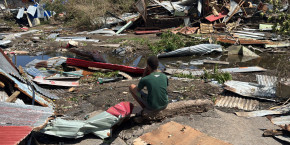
x: 12, y: 135
x: 250, y: 90
x: 237, y: 102
x: 282, y: 120
x: 141, y: 8
x: 27, y: 90
x: 12, y: 114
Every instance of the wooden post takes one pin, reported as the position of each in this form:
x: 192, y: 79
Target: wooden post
x: 13, y: 97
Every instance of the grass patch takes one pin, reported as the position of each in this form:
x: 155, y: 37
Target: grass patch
x: 217, y: 75
x: 170, y: 42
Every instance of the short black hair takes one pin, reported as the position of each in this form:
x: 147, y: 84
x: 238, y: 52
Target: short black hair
x: 153, y: 62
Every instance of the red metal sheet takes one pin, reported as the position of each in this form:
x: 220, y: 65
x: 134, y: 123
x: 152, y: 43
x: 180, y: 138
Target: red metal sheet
x: 12, y: 135
x: 212, y: 18
x: 124, y: 109
x: 86, y: 64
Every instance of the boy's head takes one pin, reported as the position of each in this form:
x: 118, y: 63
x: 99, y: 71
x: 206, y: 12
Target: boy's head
x: 153, y: 62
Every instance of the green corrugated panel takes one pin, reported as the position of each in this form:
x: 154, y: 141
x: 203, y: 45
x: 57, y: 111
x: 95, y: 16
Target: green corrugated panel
x: 100, y: 125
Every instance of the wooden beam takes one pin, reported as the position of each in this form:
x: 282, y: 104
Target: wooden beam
x: 13, y: 97
x: 2, y: 85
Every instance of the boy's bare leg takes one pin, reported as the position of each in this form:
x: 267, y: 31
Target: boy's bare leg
x: 133, y: 90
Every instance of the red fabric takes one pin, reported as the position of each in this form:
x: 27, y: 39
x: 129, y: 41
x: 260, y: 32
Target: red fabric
x: 12, y: 135
x: 84, y: 63
x: 124, y: 109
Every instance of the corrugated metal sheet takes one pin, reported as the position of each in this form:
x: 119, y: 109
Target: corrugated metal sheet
x: 12, y: 114
x: 3, y: 95
x: 12, y: 135
x: 24, y: 88
x: 268, y: 81
x: 250, y: 90
x: 34, y: 72
x: 281, y: 110
x: 282, y: 120
x: 44, y: 92
x: 243, y: 69
x: 229, y: 70
x: 192, y: 50
x: 237, y: 102
x: 7, y: 66
x: 99, y: 125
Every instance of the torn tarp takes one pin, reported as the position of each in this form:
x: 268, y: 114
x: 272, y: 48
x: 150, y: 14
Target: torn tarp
x: 99, y: 125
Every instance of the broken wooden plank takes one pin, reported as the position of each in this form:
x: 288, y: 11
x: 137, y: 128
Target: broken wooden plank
x: 13, y: 97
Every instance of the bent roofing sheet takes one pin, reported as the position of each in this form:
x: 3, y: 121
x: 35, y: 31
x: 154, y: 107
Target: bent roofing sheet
x: 250, y: 89
x: 12, y: 135
x: 191, y: 50
x: 26, y: 90
x: 12, y: 114
x: 7, y: 66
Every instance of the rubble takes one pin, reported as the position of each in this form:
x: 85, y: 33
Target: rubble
x: 97, y: 62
